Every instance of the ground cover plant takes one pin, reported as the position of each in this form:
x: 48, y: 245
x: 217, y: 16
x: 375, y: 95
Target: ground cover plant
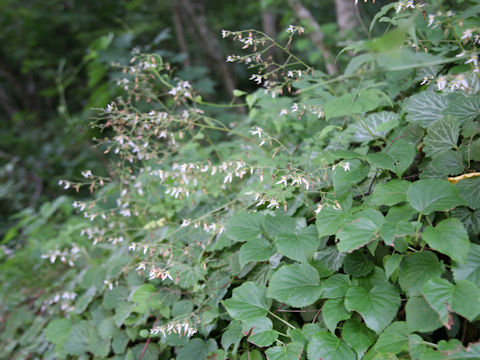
x: 338, y: 219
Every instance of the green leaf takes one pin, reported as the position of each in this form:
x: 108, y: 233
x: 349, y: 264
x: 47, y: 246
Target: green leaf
x: 330, y: 257
x: 197, y: 349
x: 427, y: 196
x: 327, y: 346
x: 466, y: 299
x: 441, y: 137
x: 378, y: 124
x: 391, y: 193
x: 145, y: 298
x: 330, y: 220
x: 450, y: 238
x: 255, y: 250
x: 378, y: 307
x: 247, y: 302
x: 115, y: 297
x: 391, y: 263
x: 77, y: 340
x: 297, y: 285
x: 401, y: 153
x: 449, y: 163
x: 275, y: 225
x: 57, y: 330
x: 122, y: 312
x: 394, y: 338
x: 333, y: 311
x: 243, y: 227
x: 464, y: 107
x: 344, y: 180
x: 298, y: 246
x: 438, y: 293
x: 470, y: 270
x: 232, y: 336
x: 291, y: 351
x: 470, y: 219
x: 353, y: 103
x: 392, y: 230
x: 416, y: 269
x: 260, y: 329
x: 361, y: 231
x: 357, y: 336
x: 336, y: 286
x: 468, y: 189
x: 97, y: 345
x: 358, y: 264
x: 420, y: 316
x: 425, y: 108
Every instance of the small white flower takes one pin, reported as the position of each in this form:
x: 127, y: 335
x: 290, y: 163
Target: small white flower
x: 346, y: 166
x: 224, y: 34
x: 291, y: 29
x: 318, y: 209
x: 132, y: 246
x: 141, y: 266
x: 441, y: 82
x: 257, y: 131
x: 431, y: 19
x: 283, y: 112
x: 473, y: 59
x: 467, y: 34
x: 282, y: 180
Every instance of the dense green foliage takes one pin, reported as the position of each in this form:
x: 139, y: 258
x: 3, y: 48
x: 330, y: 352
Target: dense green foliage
x: 338, y: 219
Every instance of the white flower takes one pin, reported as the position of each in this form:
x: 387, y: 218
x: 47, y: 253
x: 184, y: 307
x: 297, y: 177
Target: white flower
x: 257, y: 131
x: 228, y: 178
x: 346, y: 166
x: 230, y: 58
x: 224, y: 34
x: 318, y: 209
x: 431, y: 19
x: 283, y: 112
x: 87, y: 173
x: 291, y: 29
x: 273, y: 204
x: 132, y: 246
x: 441, y: 82
x: 467, y: 34
x: 141, y: 266
x: 282, y: 180
x: 473, y: 59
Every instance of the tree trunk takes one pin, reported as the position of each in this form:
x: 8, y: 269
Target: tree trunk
x: 316, y: 34
x: 196, y: 14
x: 269, y: 27
x: 346, y: 16
x: 179, y: 33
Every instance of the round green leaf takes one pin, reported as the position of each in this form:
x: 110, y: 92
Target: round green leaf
x: 291, y: 351
x: 378, y: 307
x: 361, y: 231
x: 357, y: 335
x: 333, y: 311
x: 327, y: 346
x: 438, y: 294
x: 470, y: 270
x: 242, y: 226
x: 450, y: 238
x: 248, y: 302
x: 417, y: 269
x: 420, y: 316
x: 391, y: 193
x: 466, y: 299
x: 336, y: 286
x: 255, y: 250
x: 297, y: 285
x: 358, y: 264
x: 298, y: 246
x: 427, y: 196
x: 197, y: 349
x: 394, y: 338
x: 57, y: 330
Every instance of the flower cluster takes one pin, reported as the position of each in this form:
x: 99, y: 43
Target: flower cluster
x: 179, y: 328
x: 67, y: 256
